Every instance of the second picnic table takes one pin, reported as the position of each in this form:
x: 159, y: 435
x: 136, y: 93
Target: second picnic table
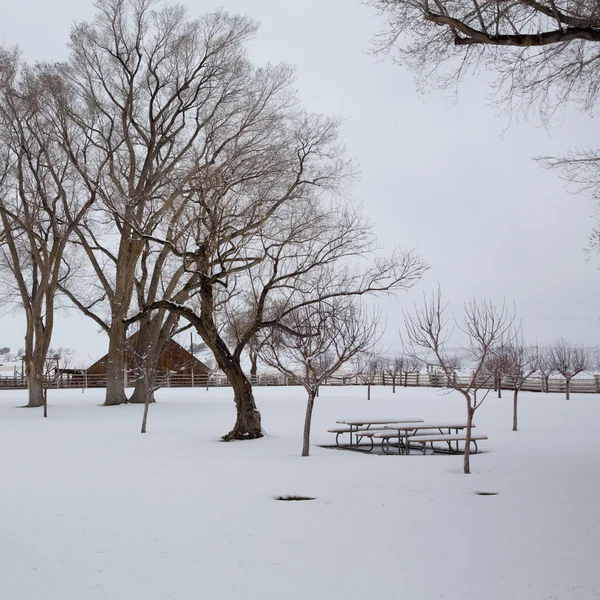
x: 354, y: 424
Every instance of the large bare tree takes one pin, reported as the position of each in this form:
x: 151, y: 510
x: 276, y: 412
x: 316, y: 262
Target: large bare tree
x: 151, y: 86
x: 486, y: 328
x: 41, y: 204
x: 301, y: 251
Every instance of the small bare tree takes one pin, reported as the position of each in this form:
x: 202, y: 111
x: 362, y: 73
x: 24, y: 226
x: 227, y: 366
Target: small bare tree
x: 314, y: 342
x: 569, y: 361
x: 411, y: 365
x: 498, y: 364
x: 521, y: 362
x: 368, y: 367
x: 486, y: 328
x: 394, y: 367
x: 545, y: 367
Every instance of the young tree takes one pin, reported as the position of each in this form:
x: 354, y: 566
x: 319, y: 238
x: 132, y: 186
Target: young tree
x: 368, y: 368
x: 569, y: 361
x: 394, y: 367
x: 410, y: 365
x: 545, y: 367
x: 498, y: 364
x: 521, y: 362
x: 315, y: 341
x: 486, y: 328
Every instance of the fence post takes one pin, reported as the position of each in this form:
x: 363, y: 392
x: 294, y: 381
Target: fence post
x: 597, y: 382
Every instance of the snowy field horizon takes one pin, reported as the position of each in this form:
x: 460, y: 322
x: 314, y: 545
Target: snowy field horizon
x: 93, y: 509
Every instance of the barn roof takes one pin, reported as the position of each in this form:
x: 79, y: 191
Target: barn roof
x: 182, y: 357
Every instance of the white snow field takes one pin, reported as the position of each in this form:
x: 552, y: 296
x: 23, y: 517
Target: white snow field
x: 90, y: 509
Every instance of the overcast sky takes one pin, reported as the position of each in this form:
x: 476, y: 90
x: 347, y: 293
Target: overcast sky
x: 448, y: 178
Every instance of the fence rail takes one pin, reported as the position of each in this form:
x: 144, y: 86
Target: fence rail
x: 590, y: 385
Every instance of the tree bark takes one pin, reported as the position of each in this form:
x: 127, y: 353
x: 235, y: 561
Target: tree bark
x: 253, y: 367
x: 144, y: 388
x: 568, y: 388
x: 394, y: 385
x: 515, y: 396
x: 115, y: 363
x: 149, y: 398
x: 248, y: 423
x: 467, y: 455
x: 35, y: 385
x: 150, y: 343
x: 307, y: 423
x: 368, y: 391
x: 500, y: 386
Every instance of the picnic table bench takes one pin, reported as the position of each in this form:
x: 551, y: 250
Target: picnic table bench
x: 402, y: 432
x: 444, y: 437
x: 356, y: 425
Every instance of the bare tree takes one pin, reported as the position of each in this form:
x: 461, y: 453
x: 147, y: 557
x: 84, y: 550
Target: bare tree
x: 545, y: 367
x: 544, y: 52
x: 410, y: 365
x: 368, y: 368
x: 521, y: 363
x: 212, y: 370
x: 41, y: 203
x: 569, y: 361
x: 394, y: 367
x: 268, y: 235
x: 498, y: 364
x: 486, y: 328
x: 150, y: 89
x: 314, y: 342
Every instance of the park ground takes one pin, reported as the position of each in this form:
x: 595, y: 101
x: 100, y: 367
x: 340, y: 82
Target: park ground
x: 91, y: 509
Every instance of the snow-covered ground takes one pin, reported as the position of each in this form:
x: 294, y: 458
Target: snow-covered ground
x: 90, y: 509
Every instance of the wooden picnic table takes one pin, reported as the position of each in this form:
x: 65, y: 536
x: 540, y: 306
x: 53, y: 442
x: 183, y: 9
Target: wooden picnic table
x: 406, y: 430
x: 356, y: 423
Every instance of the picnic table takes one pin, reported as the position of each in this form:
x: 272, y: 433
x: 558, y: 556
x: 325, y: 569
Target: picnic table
x: 404, y: 431
x: 353, y: 425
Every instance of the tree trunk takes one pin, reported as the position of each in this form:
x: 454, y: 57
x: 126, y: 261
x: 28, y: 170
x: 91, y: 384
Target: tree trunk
x: 144, y: 388
x: 394, y: 384
x: 146, y: 355
x: 35, y: 385
x: 307, y: 422
x: 253, y: 367
x: 546, y: 382
x: 405, y: 379
x: 568, y: 388
x: 500, y: 386
x: 515, y: 396
x: 368, y: 391
x: 115, y: 363
x: 149, y: 398
x: 467, y: 455
x: 248, y: 423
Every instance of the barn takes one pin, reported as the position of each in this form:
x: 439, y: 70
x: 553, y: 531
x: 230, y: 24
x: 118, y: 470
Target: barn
x: 176, y: 367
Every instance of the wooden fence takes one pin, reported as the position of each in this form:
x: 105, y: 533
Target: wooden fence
x: 589, y: 385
